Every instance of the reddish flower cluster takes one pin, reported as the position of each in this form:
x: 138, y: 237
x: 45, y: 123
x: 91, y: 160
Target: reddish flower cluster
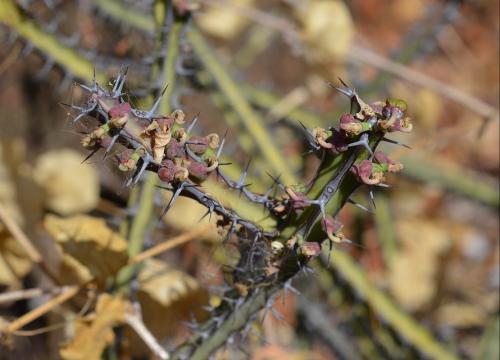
x: 159, y: 140
x: 385, y: 117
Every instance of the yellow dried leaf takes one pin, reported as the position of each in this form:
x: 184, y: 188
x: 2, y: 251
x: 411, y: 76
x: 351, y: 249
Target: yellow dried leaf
x: 164, y: 283
x: 14, y: 263
x: 167, y: 296
x: 90, y: 242
x: 461, y: 315
x: 224, y: 21
x: 69, y: 186
x: 327, y: 30
x: 93, y: 334
x: 413, y: 272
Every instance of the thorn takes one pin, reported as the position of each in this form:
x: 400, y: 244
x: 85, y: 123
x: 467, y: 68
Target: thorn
x: 120, y: 81
x: 372, y: 198
x: 151, y: 112
x: 172, y: 199
x: 209, y: 213
x: 395, y: 142
x: 276, y: 180
x: 219, y: 150
x: 145, y: 163
x: 350, y: 242
x: 230, y: 232
x: 343, y: 82
x: 310, y: 139
x: 288, y: 286
x: 362, y: 142
x: 240, y: 184
x: 112, y: 142
x: 92, y: 153
x: 358, y: 205
x: 117, y: 83
x: 347, y: 92
x: 93, y: 88
x: 79, y: 116
x: 193, y: 123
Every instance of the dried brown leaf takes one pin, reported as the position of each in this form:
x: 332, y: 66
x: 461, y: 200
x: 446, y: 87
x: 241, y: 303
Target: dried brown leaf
x: 88, y: 242
x: 167, y: 296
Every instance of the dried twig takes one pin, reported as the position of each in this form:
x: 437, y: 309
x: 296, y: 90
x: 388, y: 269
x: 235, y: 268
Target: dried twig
x: 20, y: 236
x: 65, y: 295
x: 27, y: 294
x: 369, y: 57
x: 134, y: 320
x: 170, y: 244
x: 24, y: 241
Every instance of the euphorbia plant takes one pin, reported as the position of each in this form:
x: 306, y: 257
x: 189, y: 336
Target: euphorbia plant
x: 304, y: 214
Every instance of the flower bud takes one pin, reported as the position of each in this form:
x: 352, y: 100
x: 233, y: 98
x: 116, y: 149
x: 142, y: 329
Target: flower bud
x: 167, y: 171
x: 198, y: 144
x: 127, y: 161
x: 175, y: 149
x: 198, y: 170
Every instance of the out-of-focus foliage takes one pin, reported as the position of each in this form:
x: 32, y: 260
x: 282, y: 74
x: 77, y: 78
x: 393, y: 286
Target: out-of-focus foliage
x: 74, y: 190
x: 94, y: 332
x: 432, y: 251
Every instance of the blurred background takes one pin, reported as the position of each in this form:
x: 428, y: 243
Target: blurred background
x: 425, y: 276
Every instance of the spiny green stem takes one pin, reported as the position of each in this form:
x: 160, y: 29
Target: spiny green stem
x: 236, y: 320
x: 13, y: 16
x: 289, y: 268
